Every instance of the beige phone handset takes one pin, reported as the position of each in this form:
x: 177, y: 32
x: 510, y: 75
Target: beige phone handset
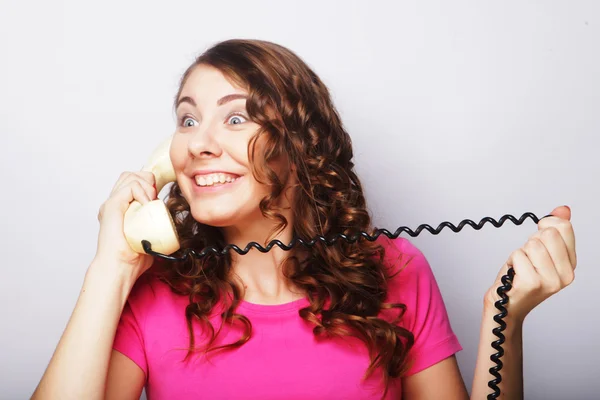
x: 152, y: 221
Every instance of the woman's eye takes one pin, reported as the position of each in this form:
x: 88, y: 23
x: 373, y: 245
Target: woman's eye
x: 236, y: 120
x: 187, y: 122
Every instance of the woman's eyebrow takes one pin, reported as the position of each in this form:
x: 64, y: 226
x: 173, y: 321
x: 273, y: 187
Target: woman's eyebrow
x: 230, y: 97
x: 223, y: 100
x: 186, y: 99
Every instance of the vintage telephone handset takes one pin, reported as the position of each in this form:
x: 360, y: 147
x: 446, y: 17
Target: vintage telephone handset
x: 150, y: 229
x: 152, y: 221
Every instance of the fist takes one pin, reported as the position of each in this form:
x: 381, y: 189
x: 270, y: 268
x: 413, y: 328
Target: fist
x: 543, y: 266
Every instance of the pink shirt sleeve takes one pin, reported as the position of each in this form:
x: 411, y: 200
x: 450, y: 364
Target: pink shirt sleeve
x: 426, y: 315
x: 129, y: 338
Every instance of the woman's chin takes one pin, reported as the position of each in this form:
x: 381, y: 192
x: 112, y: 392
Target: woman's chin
x: 216, y: 218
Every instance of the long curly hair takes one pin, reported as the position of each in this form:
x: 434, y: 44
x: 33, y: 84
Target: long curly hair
x: 346, y: 284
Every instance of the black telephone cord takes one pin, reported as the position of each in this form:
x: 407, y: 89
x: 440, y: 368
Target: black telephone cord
x: 502, y: 289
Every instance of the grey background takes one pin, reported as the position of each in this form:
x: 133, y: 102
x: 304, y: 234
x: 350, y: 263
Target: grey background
x: 460, y: 109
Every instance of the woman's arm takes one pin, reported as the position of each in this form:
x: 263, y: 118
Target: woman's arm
x: 511, y: 386
x: 449, y: 383
x: 543, y: 266
x: 79, y: 367
x: 125, y: 379
x: 440, y: 381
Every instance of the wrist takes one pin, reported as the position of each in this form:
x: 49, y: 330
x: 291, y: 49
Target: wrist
x: 514, y: 321
x: 110, y: 275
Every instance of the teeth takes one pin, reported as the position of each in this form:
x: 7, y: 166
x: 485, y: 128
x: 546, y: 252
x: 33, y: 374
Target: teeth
x: 209, y: 180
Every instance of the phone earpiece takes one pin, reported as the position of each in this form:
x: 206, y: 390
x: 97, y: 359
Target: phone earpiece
x: 152, y: 221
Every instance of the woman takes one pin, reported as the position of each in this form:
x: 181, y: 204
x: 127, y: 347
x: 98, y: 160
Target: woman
x: 260, y: 153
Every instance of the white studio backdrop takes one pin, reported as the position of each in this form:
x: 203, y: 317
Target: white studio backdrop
x: 461, y: 109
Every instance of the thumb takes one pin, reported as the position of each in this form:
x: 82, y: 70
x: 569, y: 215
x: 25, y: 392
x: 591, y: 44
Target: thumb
x: 563, y: 212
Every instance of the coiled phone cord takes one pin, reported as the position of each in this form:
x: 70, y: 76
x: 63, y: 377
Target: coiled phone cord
x: 502, y: 289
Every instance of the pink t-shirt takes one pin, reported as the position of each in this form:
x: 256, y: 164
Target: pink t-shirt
x: 282, y: 360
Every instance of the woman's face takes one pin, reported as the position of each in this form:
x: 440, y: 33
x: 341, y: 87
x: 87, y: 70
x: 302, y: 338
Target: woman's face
x: 209, y: 151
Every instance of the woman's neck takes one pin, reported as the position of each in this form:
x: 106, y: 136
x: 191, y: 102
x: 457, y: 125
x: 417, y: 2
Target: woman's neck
x: 261, y: 274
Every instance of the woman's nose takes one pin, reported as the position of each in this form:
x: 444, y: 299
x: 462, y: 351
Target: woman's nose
x: 203, y: 143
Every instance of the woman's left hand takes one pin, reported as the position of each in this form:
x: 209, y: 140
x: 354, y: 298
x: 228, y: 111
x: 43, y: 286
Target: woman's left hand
x: 543, y: 266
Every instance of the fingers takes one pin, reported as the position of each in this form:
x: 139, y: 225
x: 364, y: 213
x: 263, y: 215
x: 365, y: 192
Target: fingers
x: 130, y: 186
x: 145, y: 179
x: 123, y: 197
x: 136, y: 190
x: 543, y: 264
x: 565, y: 228
x: 528, y: 278
x: 557, y: 250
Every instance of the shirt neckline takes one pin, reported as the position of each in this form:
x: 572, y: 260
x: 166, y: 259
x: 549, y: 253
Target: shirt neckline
x: 291, y: 306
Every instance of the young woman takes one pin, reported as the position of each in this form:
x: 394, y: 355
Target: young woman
x: 260, y: 153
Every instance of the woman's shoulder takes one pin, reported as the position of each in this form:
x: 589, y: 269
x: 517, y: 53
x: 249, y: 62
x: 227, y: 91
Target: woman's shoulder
x: 412, y: 284
x: 411, y: 278
x: 403, y: 258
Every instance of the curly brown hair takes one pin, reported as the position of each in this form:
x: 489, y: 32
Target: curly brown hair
x: 346, y: 283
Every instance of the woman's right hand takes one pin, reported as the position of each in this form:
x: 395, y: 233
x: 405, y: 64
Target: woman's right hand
x: 112, y: 245
x: 85, y: 348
